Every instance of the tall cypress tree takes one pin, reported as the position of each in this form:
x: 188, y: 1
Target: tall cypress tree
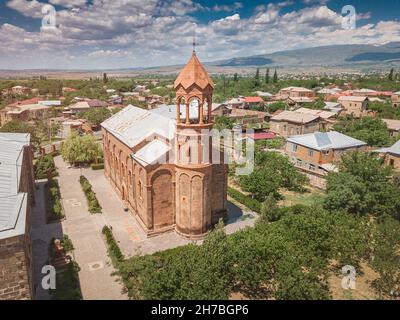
x: 275, y: 76
x: 267, y: 76
x: 391, y: 74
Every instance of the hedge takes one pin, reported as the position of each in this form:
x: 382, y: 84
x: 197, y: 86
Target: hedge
x: 53, y: 200
x: 97, y: 166
x: 45, y: 165
x: 93, y: 203
x: 113, y: 249
x: 250, y: 203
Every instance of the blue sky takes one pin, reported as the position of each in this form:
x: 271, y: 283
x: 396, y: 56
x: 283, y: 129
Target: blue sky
x: 95, y: 34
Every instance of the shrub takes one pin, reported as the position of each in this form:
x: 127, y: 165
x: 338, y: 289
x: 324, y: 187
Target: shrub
x: 45, y: 165
x: 97, y: 166
x: 53, y: 200
x: 93, y: 203
x: 250, y: 203
x: 68, y: 285
x: 113, y: 249
x: 67, y: 244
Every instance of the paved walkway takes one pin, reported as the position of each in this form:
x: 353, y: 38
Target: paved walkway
x: 84, y: 230
x: 41, y: 235
x: 130, y: 236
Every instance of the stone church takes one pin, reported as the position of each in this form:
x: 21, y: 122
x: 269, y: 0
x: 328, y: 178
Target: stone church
x: 160, y: 161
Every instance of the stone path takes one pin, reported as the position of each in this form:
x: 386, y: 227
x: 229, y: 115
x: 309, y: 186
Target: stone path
x: 84, y: 230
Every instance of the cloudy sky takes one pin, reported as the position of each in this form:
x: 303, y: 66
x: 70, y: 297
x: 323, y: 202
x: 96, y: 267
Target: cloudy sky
x: 100, y: 34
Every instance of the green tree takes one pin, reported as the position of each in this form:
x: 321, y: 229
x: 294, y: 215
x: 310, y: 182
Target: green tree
x: 275, y: 79
x: 363, y: 186
x: 257, y: 77
x: 17, y: 126
x: 81, y: 149
x: 223, y: 122
x: 373, y: 131
x: 105, y: 78
x: 273, y: 107
x: 96, y: 115
x: 235, y: 77
x: 390, y: 77
x: 45, y: 166
x: 272, y: 171
x: 267, y: 76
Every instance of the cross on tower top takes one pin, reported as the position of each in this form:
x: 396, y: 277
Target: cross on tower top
x: 194, y: 44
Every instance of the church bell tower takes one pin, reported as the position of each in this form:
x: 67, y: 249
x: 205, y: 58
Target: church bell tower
x: 193, y: 143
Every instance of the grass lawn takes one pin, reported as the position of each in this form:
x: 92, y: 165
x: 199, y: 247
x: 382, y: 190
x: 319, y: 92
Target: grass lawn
x: 311, y: 197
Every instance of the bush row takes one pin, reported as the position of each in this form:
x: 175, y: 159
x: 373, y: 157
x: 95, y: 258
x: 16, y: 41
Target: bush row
x: 113, y: 249
x: 44, y: 166
x: 250, y: 203
x: 97, y: 166
x: 53, y: 200
x: 93, y: 203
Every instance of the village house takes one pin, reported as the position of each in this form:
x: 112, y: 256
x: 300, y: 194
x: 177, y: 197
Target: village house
x: 396, y: 99
x: 296, y: 92
x: 23, y: 112
x: 253, y: 102
x: 159, y: 161
x: 236, y: 103
x: 334, y: 107
x: 287, y: 123
x: 352, y: 105
x: 393, y: 126
x: 17, y: 198
x: 19, y: 91
x: 328, y: 118
x: 252, y: 118
x: 296, y: 102
x: 391, y: 155
x: 220, y: 109
x: 315, y: 154
x: 84, y: 105
x: 365, y: 93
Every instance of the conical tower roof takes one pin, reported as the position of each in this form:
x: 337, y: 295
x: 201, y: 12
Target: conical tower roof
x: 194, y: 73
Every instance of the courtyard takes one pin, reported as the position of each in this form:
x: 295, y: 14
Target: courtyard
x: 84, y: 229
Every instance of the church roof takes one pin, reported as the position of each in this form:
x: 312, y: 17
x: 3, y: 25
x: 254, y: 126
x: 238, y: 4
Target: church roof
x: 132, y: 125
x: 194, y: 73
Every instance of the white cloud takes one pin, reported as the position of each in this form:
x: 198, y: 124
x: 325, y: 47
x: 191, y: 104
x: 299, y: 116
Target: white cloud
x: 227, y: 7
x: 128, y: 33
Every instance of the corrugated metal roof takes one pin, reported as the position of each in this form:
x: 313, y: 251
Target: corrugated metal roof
x: 326, y: 140
x: 394, y: 149
x: 12, y: 203
x: 151, y: 152
x: 132, y: 125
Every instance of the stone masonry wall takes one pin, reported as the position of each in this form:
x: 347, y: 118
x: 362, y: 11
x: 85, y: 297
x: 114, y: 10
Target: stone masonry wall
x: 14, y: 278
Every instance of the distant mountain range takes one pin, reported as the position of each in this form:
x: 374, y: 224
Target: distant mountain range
x: 335, y: 58
x: 327, y: 56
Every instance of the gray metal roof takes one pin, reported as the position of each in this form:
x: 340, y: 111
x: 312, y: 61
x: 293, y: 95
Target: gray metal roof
x: 132, y: 125
x: 12, y: 202
x: 394, y: 149
x: 326, y: 140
